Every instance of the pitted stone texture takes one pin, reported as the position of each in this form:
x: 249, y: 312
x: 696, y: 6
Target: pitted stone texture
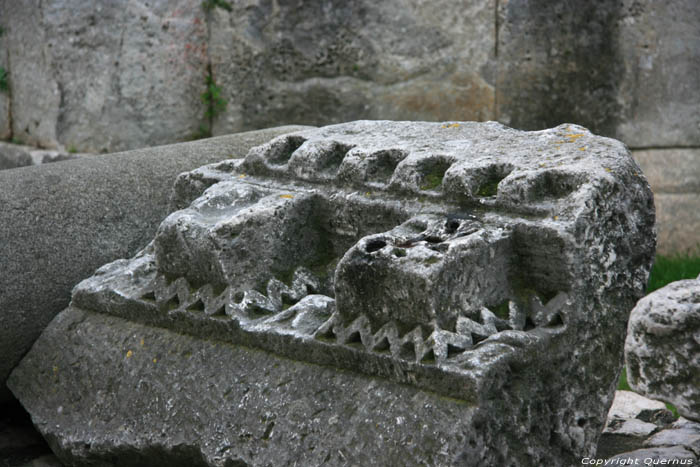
x: 492, y: 266
x: 320, y: 63
x: 105, y: 76
x: 663, y: 346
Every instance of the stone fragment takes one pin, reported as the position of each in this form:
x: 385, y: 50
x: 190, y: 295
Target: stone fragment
x: 14, y: 155
x: 633, y: 427
x: 631, y: 419
x: 662, y: 349
x: 684, y: 433
x: 370, y: 293
x: 59, y: 222
x: 628, y: 405
x: 17, y: 155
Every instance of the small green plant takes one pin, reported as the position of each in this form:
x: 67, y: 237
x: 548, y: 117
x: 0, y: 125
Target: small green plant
x: 211, y: 4
x: 212, y: 98
x: 72, y: 149
x: 215, y: 104
x: 4, y: 86
x: 622, y: 385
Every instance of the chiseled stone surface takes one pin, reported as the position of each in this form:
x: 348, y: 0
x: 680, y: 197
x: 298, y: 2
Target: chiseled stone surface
x: 678, y: 223
x: 371, y: 293
x: 558, y: 62
x: 662, y: 349
x: 670, y: 170
x: 5, y: 130
x: 59, y: 222
x: 659, y: 48
x: 674, y: 176
x: 321, y: 63
x: 105, y: 76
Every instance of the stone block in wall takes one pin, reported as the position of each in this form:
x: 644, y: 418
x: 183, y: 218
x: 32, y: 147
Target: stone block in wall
x: 674, y: 176
x: 558, y: 62
x: 678, y: 222
x: 659, y: 88
x: 5, y: 130
x: 108, y: 75
x: 626, y: 69
x: 325, y: 62
x: 670, y: 170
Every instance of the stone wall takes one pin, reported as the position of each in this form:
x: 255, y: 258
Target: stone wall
x: 115, y: 75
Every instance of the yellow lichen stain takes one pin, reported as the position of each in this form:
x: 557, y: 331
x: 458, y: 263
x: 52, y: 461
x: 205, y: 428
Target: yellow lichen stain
x: 368, y: 194
x: 242, y: 176
x: 582, y: 149
x: 142, y: 342
x: 573, y: 137
x: 287, y: 196
x: 55, y: 369
x: 556, y: 218
x: 155, y: 360
x: 607, y: 169
x: 450, y: 125
x: 129, y: 354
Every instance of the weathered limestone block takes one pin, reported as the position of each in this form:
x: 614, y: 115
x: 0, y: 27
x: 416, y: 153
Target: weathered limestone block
x: 662, y: 349
x: 320, y: 63
x: 106, y: 76
x: 16, y: 155
x: 370, y: 293
x: 5, y: 130
x: 674, y: 177
x: 659, y: 49
x: 559, y: 61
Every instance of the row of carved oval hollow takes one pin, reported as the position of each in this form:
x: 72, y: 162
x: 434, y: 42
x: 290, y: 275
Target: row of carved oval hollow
x: 380, y: 169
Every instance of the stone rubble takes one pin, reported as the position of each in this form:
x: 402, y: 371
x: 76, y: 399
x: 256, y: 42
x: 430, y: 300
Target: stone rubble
x: 662, y: 349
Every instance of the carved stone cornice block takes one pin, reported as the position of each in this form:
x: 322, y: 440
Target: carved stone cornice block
x: 490, y: 270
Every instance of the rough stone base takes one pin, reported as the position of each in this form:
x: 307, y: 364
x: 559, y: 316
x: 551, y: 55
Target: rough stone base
x: 266, y: 409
